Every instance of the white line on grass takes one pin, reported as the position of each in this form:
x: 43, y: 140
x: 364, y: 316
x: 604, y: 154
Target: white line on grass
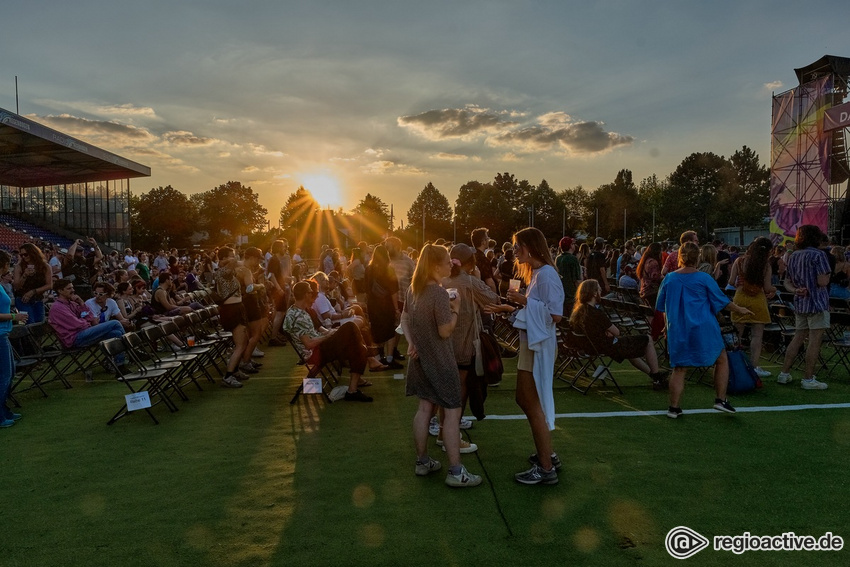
x: 638, y: 413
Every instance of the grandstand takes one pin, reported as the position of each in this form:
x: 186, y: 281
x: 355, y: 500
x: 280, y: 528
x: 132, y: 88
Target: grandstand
x: 55, y: 187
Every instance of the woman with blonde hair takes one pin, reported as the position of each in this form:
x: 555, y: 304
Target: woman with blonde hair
x: 31, y: 278
x: 428, y: 320
x: 691, y: 300
x: 543, y: 303
x: 709, y: 263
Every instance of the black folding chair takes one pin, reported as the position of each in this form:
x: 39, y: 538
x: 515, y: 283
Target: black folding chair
x: 325, y: 370
x: 32, y: 360
x: 152, y: 380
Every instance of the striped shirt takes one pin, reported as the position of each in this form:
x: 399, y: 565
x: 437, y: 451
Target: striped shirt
x: 804, y: 267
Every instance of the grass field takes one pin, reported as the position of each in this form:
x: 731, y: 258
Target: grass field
x: 241, y: 477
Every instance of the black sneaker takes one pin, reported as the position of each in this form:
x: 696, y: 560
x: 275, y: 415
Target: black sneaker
x: 357, y: 396
x: 673, y: 413
x: 397, y: 355
x: 556, y: 460
x: 723, y: 405
x: 536, y: 475
x: 394, y: 365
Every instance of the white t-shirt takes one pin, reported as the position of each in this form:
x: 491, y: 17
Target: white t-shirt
x: 105, y: 313
x: 322, y: 305
x: 546, y: 286
x: 131, y: 262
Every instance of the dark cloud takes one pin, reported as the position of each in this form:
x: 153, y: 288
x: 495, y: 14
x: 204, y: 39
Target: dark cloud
x: 579, y: 137
x: 455, y: 122
x: 83, y: 126
x: 553, y: 131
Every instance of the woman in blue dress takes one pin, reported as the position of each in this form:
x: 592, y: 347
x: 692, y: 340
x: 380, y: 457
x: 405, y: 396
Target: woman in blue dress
x: 7, y: 363
x: 691, y: 299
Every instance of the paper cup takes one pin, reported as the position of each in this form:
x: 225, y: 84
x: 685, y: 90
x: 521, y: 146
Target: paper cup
x: 513, y: 285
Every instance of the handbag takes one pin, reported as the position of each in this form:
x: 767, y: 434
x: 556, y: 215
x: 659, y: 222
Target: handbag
x: 742, y: 375
x: 488, y: 357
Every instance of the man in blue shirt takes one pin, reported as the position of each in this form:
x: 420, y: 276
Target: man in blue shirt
x: 807, y: 277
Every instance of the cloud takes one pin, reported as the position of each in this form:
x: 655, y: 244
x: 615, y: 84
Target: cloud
x: 115, y: 133
x: 550, y: 132
x: 261, y: 150
x: 575, y: 137
x: 187, y: 139
x: 773, y: 85
x: 454, y: 157
x: 464, y: 123
x: 387, y: 167
x: 127, y: 109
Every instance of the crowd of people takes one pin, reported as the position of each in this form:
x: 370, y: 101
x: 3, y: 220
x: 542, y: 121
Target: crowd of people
x: 353, y: 308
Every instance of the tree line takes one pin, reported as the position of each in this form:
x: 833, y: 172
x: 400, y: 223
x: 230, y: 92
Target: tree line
x: 704, y: 192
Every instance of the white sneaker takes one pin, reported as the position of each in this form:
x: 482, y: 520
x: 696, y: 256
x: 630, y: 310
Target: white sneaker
x: 464, y: 479
x: 258, y: 353
x: 784, y: 378
x: 813, y: 384
x: 465, y: 423
x: 762, y: 373
x: 434, y: 426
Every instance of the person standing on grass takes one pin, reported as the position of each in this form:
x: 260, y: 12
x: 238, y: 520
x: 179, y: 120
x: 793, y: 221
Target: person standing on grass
x: 807, y: 277
x: 7, y: 362
x: 543, y: 303
x: 751, y: 278
x: 428, y: 320
x: 691, y: 299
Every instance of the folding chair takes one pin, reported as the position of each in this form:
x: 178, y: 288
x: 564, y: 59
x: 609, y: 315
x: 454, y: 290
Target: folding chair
x: 592, y: 358
x: 32, y: 361
x: 326, y: 371
x: 156, y: 336
x: 205, y: 350
x: 151, y: 380
x: 141, y: 355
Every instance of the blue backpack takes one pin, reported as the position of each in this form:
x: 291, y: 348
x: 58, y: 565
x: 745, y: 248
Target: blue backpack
x: 742, y: 375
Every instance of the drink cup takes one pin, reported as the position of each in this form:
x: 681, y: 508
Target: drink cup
x: 190, y: 341
x: 513, y: 285
x: 452, y: 291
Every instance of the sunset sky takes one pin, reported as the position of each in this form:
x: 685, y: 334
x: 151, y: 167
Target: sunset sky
x: 382, y: 97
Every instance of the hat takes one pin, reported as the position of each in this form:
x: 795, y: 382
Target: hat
x: 599, y: 240
x: 462, y: 253
x: 565, y: 243
x: 63, y: 250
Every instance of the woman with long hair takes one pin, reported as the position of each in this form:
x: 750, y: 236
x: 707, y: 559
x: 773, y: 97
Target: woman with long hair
x: 357, y: 271
x: 753, y: 287
x: 543, y: 303
x: 382, y: 302
x: 7, y: 361
x: 429, y: 319
x: 256, y: 308
x: 691, y: 299
x: 31, y: 278
x: 709, y: 263
x: 649, y: 273
x: 587, y: 319
x: 582, y: 255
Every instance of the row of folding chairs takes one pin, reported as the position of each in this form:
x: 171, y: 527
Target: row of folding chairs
x: 160, y: 360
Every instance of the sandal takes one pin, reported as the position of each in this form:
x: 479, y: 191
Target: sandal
x: 379, y: 368
x: 364, y: 384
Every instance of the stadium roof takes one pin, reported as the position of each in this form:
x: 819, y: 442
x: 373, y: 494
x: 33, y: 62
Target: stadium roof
x: 33, y: 155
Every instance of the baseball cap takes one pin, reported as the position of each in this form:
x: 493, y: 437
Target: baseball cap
x: 462, y: 252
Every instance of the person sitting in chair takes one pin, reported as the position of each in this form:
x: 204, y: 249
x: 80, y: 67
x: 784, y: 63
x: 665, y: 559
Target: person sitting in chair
x: 589, y: 320
x: 323, y: 346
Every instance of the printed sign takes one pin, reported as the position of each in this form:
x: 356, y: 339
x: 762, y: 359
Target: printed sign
x: 137, y: 401
x: 312, y: 386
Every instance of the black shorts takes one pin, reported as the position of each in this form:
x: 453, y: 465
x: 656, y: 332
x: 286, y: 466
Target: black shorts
x: 253, y: 307
x: 231, y: 315
x: 633, y: 346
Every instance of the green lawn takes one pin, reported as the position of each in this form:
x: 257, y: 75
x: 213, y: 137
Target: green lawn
x: 241, y: 477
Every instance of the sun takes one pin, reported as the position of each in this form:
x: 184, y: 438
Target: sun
x: 324, y: 188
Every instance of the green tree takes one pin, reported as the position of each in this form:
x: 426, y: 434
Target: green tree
x: 162, y: 217
x: 299, y: 207
x: 371, y: 217
x: 547, y: 209
x: 614, y: 203
x: 231, y: 209
x: 469, y: 192
x: 651, y: 193
x: 692, y: 193
x: 579, y: 213
x: 491, y: 211
x: 435, y: 208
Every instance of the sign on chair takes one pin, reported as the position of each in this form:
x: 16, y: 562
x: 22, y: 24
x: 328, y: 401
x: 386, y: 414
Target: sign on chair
x: 312, y: 386
x: 137, y: 401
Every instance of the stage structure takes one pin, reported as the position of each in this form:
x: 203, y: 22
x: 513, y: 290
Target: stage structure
x: 809, y: 154
x: 64, y: 181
